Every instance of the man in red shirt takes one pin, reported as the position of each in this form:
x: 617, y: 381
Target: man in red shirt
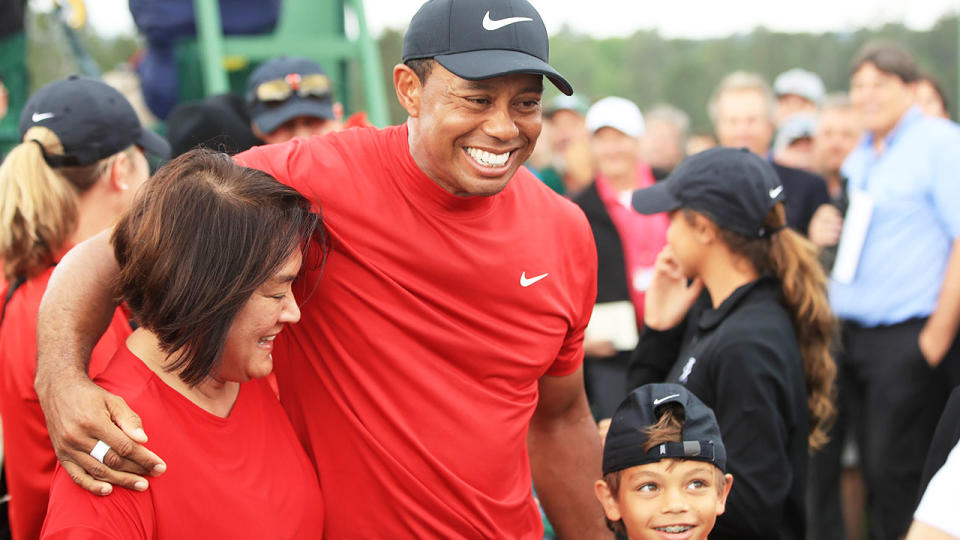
x: 443, y: 345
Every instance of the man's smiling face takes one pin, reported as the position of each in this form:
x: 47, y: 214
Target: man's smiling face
x: 470, y: 137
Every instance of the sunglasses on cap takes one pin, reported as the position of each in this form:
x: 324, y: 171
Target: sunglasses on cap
x: 316, y: 85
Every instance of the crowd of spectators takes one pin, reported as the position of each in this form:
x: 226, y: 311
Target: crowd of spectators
x: 811, y: 138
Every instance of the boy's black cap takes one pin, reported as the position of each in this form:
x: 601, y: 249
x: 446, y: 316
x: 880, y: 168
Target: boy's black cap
x: 733, y: 186
x: 270, y: 116
x: 482, y: 39
x: 92, y: 120
x: 701, y: 434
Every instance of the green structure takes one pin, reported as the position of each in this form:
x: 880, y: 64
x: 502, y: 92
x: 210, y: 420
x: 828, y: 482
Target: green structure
x: 14, y: 69
x: 314, y: 29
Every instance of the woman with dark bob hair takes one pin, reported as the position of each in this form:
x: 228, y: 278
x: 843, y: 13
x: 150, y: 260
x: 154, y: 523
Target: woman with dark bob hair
x: 208, y: 255
x: 737, y: 312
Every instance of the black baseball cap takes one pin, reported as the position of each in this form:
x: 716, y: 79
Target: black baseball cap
x: 482, y: 39
x: 268, y: 116
x: 641, y: 409
x: 219, y: 122
x: 733, y: 186
x: 92, y: 120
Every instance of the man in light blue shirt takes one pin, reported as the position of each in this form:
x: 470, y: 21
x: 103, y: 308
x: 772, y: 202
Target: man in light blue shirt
x: 915, y: 187
x: 901, y: 310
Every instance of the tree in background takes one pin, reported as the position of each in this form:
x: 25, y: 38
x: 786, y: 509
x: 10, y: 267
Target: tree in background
x: 648, y: 68
x: 644, y: 67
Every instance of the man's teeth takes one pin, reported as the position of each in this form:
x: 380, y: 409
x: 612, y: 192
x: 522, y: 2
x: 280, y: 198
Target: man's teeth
x: 488, y: 159
x: 265, y: 340
x: 675, y: 528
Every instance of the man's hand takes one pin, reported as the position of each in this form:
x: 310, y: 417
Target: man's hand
x: 938, y: 333
x: 669, y: 297
x: 825, y: 226
x: 81, y: 413
x: 934, y: 344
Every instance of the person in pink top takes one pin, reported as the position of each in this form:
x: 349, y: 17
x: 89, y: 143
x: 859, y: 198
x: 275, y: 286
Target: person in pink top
x: 627, y: 246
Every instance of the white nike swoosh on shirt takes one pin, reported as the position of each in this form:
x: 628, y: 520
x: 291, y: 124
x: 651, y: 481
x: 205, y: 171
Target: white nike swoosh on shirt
x: 524, y: 282
x: 37, y: 117
x: 661, y: 400
x: 775, y: 191
x: 490, y: 24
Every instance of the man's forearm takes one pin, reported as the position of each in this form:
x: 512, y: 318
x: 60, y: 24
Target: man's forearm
x: 565, y: 461
x: 74, y: 313
x: 76, y: 309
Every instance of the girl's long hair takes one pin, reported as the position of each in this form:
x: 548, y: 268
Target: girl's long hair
x: 793, y: 260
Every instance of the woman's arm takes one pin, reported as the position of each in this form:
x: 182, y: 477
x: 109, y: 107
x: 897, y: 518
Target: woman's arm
x: 74, y: 514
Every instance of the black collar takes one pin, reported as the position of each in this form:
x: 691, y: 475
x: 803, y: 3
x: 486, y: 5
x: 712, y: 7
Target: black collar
x: 710, y: 317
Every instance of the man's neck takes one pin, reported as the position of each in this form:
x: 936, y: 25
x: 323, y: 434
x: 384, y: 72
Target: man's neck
x: 879, y: 143
x: 834, y: 183
x: 880, y: 135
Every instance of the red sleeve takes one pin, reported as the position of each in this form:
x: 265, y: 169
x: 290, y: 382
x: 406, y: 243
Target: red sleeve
x: 80, y: 533
x: 76, y: 514
x: 583, y: 265
x: 300, y: 163
x: 111, y: 341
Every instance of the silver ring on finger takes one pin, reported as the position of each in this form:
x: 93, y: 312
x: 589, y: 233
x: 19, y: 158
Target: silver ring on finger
x: 99, y: 451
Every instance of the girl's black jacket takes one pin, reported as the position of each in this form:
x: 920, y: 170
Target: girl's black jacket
x: 743, y: 361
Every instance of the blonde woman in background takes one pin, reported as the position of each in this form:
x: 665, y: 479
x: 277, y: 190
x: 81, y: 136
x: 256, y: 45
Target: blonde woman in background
x: 80, y: 160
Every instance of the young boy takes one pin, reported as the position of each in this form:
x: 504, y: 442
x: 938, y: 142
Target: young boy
x: 664, y: 466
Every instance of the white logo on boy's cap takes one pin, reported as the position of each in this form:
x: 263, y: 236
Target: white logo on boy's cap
x: 661, y: 400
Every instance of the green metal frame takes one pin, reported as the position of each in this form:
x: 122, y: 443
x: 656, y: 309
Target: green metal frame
x: 309, y: 28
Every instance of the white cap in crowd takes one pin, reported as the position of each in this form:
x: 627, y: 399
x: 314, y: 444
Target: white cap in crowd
x: 618, y: 113
x: 795, y: 127
x: 800, y: 82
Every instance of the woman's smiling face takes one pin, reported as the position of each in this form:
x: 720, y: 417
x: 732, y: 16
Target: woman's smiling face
x: 247, y: 353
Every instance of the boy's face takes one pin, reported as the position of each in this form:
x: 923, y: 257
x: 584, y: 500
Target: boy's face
x: 667, y: 500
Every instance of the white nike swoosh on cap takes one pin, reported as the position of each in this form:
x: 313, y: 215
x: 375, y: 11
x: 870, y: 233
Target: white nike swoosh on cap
x: 37, y: 117
x: 775, y: 191
x: 661, y: 400
x: 525, y: 282
x: 490, y: 24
